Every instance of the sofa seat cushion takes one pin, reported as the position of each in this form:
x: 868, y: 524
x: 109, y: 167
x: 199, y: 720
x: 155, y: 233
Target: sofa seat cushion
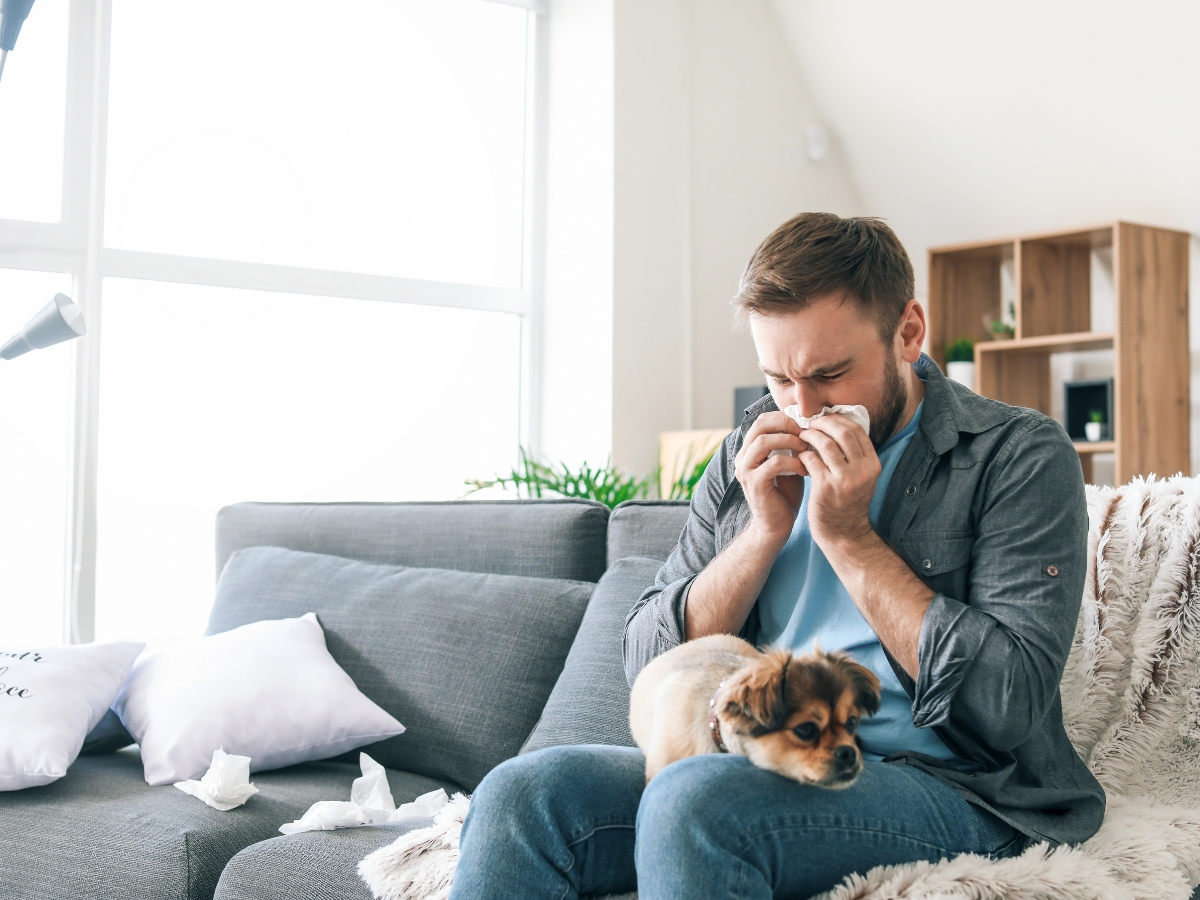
x: 315, y: 865
x: 101, y: 832
x: 464, y: 660
x: 590, y: 701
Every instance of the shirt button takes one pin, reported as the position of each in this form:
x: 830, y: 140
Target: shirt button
x: 928, y: 564
x: 912, y: 489
x: 1051, y: 571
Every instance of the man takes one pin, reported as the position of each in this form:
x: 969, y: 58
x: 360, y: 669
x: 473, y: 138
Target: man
x: 945, y: 551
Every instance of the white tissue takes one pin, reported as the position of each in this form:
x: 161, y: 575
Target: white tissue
x: 856, y: 414
x: 424, y: 807
x: 372, y: 791
x: 326, y: 815
x: 225, y: 785
x: 370, y: 802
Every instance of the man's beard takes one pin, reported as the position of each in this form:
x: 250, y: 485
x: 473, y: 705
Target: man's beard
x: 891, y: 405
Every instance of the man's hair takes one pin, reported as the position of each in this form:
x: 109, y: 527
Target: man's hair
x: 815, y: 255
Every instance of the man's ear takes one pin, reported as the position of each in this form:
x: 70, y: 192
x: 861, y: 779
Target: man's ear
x: 911, y: 331
x: 864, y: 682
x: 753, y: 698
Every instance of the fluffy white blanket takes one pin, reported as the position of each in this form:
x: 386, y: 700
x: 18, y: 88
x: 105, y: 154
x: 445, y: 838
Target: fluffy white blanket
x: 1131, y: 704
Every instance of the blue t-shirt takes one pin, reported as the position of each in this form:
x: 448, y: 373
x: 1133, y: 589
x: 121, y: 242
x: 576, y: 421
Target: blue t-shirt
x: 804, y: 603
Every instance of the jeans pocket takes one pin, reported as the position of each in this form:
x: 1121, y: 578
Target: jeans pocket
x: 1014, y: 846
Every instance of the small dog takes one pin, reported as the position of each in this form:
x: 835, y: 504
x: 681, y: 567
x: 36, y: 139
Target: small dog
x: 795, y: 715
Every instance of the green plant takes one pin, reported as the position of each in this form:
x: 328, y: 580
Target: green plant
x: 1001, y: 328
x: 532, y: 478
x: 690, y: 472
x: 1097, y: 416
x: 962, y: 350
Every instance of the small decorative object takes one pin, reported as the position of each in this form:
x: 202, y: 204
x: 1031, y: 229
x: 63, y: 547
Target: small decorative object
x: 1088, y: 408
x: 1002, y: 327
x: 960, y: 362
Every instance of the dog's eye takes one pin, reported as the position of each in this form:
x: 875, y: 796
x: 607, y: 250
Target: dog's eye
x: 851, y: 725
x: 807, y: 731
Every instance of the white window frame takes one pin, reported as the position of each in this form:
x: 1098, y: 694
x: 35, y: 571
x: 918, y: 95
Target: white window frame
x: 75, y: 245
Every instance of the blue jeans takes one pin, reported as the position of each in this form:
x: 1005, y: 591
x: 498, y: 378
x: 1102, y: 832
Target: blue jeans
x: 570, y: 821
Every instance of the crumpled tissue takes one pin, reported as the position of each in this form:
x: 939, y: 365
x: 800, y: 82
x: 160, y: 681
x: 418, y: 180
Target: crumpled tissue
x: 225, y: 785
x: 856, y: 414
x: 370, y: 802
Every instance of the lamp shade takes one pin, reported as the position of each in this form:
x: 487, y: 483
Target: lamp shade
x: 57, y: 321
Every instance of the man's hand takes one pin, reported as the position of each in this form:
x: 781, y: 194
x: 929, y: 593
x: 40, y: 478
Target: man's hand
x: 772, y: 484
x: 844, y: 469
x: 723, y: 594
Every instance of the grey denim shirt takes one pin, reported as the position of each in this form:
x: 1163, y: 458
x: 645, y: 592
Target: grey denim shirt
x: 987, y: 507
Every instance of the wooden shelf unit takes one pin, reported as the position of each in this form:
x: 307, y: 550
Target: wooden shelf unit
x: 1053, y: 306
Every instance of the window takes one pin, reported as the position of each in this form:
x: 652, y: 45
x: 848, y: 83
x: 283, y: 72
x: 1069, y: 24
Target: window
x: 32, y: 108
x: 380, y: 136
x: 209, y: 396
x: 300, y: 239
x: 35, y: 406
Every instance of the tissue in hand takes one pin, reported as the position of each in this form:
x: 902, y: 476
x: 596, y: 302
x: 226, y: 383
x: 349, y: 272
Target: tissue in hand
x: 856, y: 414
x: 370, y: 802
x: 225, y: 785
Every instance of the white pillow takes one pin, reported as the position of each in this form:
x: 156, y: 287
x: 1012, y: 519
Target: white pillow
x: 50, y: 698
x: 268, y: 690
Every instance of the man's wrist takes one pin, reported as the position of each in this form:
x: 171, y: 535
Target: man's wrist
x: 854, y: 547
x: 760, y: 542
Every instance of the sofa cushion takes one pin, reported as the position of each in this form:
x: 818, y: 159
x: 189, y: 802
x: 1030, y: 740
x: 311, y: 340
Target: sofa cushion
x: 590, y: 701
x: 538, y: 538
x: 101, y: 832
x: 649, y: 528
x: 315, y: 865
x: 464, y: 660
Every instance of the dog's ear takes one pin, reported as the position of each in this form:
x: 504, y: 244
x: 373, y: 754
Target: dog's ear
x: 754, y: 695
x: 865, y: 684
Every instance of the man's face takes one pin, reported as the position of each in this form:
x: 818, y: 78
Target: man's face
x: 830, y: 353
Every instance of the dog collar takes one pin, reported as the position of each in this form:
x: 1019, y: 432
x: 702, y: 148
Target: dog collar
x: 714, y: 727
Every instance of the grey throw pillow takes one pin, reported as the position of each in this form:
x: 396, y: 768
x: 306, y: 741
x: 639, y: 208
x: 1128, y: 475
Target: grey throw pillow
x: 590, y: 702
x: 464, y: 660
x: 108, y: 736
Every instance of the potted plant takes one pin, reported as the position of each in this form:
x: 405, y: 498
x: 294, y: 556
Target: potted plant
x: 1001, y: 327
x: 960, y: 362
x: 1094, y: 427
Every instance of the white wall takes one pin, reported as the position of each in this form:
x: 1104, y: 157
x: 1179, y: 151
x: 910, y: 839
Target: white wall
x: 709, y: 157
x: 750, y: 173
x: 577, y: 364
x: 676, y: 144
x: 651, y: 251
x: 967, y: 121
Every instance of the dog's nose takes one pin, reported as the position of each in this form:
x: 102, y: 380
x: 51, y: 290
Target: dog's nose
x: 846, y: 755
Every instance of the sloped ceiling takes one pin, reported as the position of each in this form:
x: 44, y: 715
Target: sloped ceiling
x: 964, y: 120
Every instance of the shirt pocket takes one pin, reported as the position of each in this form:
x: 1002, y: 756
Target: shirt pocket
x: 934, y: 553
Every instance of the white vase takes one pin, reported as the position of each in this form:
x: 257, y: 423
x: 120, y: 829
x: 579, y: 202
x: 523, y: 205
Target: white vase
x: 1093, y: 430
x: 962, y: 372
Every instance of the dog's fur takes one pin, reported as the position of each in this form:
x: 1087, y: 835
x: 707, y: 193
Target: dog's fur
x: 794, y: 715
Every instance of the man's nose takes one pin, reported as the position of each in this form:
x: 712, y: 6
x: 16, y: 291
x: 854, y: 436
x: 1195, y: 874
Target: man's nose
x: 809, y: 400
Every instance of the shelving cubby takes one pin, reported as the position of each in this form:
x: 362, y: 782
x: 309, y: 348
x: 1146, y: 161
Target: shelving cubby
x: 1051, y: 277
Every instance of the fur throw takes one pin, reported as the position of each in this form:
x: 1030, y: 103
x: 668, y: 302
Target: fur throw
x: 418, y: 865
x: 1131, y: 706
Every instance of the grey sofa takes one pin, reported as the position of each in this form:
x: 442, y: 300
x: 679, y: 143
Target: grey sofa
x: 101, y: 832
